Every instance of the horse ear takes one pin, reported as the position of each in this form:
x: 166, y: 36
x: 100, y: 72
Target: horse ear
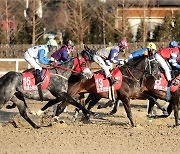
x: 86, y: 47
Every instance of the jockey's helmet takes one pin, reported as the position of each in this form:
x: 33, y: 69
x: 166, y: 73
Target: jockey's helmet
x: 52, y: 45
x: 151, y: 46
x: 68, y: 43
x: 172, y: 44
x: 52, y: 42
x: 122, y: 43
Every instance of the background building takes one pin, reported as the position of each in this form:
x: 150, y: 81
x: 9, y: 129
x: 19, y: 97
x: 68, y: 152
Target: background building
x: 149, y: 12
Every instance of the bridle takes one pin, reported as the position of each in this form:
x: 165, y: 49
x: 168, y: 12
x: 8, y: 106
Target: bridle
x: 146, y: 71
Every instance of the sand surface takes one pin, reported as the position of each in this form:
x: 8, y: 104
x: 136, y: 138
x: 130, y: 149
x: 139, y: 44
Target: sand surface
x: 104, y: 134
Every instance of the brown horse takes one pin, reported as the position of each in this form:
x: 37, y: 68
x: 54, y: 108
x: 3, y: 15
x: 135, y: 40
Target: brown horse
x: 138, y: 83
x: 134, y: 75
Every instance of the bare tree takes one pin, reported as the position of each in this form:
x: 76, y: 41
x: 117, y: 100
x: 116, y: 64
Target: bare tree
x: 7, y: 18
x: 78, y: 21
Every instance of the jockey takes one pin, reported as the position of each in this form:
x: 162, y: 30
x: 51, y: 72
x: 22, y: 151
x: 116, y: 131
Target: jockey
x: 105, y: 57
x: 166, y: 56
x: 63, y: 53
x: 39, y: 55
x: 150, y: 49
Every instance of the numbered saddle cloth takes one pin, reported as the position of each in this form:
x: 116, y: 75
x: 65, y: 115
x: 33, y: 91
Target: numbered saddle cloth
x: 29, y: 80
x: 102, y: 83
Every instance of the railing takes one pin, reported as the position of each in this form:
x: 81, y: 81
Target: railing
x: 10, y: 60
x: 17, y: 51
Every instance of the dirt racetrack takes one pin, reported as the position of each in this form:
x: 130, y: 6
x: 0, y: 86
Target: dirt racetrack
x: 105, y: 134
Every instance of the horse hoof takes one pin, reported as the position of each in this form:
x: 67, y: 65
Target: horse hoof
x: 85, y: 120
x: 37, y: 127
x: 99, y: 107
x: 165, y: 113
x: 10, y: 107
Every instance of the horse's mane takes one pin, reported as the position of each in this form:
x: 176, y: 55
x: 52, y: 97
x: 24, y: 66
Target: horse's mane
x: 135, y: 62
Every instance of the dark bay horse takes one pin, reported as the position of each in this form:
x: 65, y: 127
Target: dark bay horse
x: 137, y: 83
x: 12, y: 90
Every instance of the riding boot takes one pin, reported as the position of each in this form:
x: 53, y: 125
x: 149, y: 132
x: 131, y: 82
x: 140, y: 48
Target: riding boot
x: 168, y: 91
x: 38, y: 78
x: 111, y: 81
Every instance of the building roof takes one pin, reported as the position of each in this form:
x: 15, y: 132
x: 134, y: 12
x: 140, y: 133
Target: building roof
x: 154, y: 2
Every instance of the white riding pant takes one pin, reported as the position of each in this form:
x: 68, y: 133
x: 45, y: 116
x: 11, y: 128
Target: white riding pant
x: 32, y: 61
x: 164, y: 65
x: 107, y: 66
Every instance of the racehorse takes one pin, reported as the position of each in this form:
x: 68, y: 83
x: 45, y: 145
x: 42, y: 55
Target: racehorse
x: 15, y: 87
x: 138, y: 81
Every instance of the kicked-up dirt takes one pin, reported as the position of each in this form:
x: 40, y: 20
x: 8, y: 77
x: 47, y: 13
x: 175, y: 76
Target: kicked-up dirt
x: 103, y: 135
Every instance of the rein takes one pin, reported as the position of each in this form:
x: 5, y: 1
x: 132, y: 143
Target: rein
x: 129, y: 71
x: 64, y: 68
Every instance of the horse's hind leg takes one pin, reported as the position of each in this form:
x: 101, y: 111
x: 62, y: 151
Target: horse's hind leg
x: 22, y: 110
x: 13, y: 105
x: 114, y: 110
x: 150, y: 106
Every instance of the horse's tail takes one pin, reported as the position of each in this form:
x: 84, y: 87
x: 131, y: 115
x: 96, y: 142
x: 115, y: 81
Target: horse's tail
x: 8, y: 85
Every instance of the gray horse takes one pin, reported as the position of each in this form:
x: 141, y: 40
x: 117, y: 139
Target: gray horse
x: 12, y: 90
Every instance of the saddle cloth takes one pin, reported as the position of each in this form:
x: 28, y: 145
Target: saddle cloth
x: 29, y: 80
x: 102, y: 83
x: 162, y: 83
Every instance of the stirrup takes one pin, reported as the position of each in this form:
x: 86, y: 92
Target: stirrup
x: 111, y: 81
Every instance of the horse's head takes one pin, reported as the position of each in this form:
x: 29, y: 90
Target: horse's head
x: 138, y: 68
x: 87, y: 54
x: 152, y: 68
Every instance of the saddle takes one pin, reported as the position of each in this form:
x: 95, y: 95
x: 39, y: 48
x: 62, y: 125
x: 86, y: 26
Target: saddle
x: 102, y: 83
x: 29, y: 79
x: 161, y: 84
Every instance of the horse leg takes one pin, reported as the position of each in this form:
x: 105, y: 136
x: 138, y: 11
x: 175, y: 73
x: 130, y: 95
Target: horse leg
x: 114, y: 110
x: 93, y: 102
x: 150, y: 105
x: 109, y: 103
x: 22, y: 107
x: 176, y: 113
x: 69, y: 99
x: 47, y: 105
x: 176, y: 101
x: 127, y: 107
x: 60, y: 108
x: 12, y: 106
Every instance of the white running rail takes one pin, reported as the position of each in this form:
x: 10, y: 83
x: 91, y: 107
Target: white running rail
x: 12, y: 60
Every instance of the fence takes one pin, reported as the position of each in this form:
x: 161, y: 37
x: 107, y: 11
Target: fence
x: 17, y: 51
x: 10, y: 67
x: 14, y: 54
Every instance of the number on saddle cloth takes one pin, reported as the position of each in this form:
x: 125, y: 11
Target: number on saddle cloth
x: 29, y: 80
x: 102, y: 84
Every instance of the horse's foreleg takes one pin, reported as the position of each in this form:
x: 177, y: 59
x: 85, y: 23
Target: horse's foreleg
x: 47, y: 105
x: 60, y: 108
x: 126, y: 104
x: 69, y: 99
x: 176, y: 113
x: 176, y: 102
